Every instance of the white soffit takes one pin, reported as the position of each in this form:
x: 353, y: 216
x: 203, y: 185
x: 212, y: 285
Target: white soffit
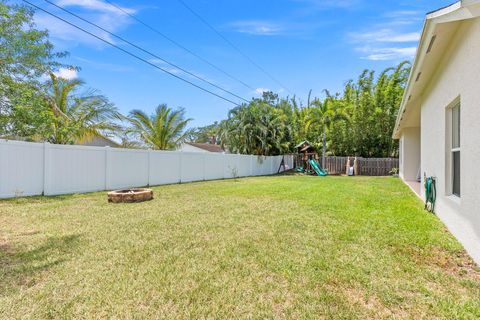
x: 437, y: 32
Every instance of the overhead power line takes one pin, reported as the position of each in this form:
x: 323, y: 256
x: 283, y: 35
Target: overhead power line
x: 146, y: 51
x: 180, y: 45
x: 231, y: 44
x: 130, y: 53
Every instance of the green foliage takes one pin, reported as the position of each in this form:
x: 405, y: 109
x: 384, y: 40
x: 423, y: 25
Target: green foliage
x: 260, y: 127
x: 25, y: 52
x: 369, y: 108
x: 25, y: 56
x: 206, y: 134
x: 359, y: 121
x: 35, y: 109
x: 26, y: 114
x: 78, y: 117
x: 163, y: 130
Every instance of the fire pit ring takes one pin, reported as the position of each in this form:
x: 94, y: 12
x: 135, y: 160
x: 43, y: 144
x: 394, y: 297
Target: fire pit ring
x: 130, y: 195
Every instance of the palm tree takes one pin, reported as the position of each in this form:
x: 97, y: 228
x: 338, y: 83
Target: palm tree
x: 256, y: 128
x: 206, y: 134
x: 307, y: 126
x: 163, y: 130
x: 326, y: 114
x: 78, y: 118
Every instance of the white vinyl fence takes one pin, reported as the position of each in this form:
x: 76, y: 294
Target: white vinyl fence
x: 28, y: 168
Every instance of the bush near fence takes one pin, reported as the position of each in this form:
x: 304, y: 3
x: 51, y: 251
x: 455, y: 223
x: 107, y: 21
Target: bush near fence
x: 28, y: 168
x: 366, y: 166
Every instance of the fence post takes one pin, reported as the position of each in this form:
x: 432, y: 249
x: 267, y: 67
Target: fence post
x: 239, y: 166
x: 46, y: 168
x: 204, y: 166
x: 180, y: 159
x: 251, y: 165
x: 107, y: 167
x: 149, y: 164
x: 224, y: 158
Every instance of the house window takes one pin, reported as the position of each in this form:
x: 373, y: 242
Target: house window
x: 455, y: 150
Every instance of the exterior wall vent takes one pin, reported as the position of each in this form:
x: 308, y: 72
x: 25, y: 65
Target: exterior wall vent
x: 418, y: 76
x: 432, y: 41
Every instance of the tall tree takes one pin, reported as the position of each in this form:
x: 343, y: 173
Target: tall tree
x: 359, y: 121
x: 78, y: 117
x: 25, y: 56
x: 261, y: 127
x: 206, y: 134
x: 164, y: 130
x: 325, y: 114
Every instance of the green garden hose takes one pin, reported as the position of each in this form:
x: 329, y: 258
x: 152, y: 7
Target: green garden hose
x: 430, y: 194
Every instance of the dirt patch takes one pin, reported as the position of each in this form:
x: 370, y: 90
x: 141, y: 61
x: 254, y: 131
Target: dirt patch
x: 370, y: 303
x: 29, y: 233
x: 455, y: 263
x: 5, y: 247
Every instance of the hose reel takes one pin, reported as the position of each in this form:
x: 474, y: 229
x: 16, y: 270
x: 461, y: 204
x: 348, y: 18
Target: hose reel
x: 430, y: 193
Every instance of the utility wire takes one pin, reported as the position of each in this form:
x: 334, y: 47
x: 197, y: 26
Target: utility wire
x: 231, y: 44
x: 145, y: 51
x: 180, y: 45
x: 130, y: 53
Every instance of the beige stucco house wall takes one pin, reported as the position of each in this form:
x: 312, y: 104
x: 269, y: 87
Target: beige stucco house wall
x: 99, y: 142
x: 410, y: 152
x: 445, y: 74
x: 200, y: 147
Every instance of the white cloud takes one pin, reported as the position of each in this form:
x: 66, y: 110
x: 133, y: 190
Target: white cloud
x: 261, y: 91
x: 97, y: 11
x: 96, y: 5
x: 67, y: 74
x: 192, y: 74
x: 165, y: 66
x: 385, y: 35
x: 156, y: 61
x: 174, y: 71
x: 385, y: 44
x: 404, y: 37
x: 63, y: 35
x: 257, y: 27
x: 377, y: 54
x: 399, y: 14
x: 326, y: 4
x: 105, y: 66
x: 288, y: 27
x: 391, y: 38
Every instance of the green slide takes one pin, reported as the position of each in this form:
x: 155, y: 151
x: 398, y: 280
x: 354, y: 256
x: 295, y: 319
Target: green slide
x: 318, y: 170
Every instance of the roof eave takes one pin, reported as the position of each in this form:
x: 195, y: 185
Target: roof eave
x: 454, y: 12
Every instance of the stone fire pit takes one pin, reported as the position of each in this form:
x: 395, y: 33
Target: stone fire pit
x: 130, y: 195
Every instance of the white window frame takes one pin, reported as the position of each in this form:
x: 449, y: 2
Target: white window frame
x: 450, y: 150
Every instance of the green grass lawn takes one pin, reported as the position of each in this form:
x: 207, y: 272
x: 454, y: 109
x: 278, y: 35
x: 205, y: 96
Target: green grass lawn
x: 265, y: 247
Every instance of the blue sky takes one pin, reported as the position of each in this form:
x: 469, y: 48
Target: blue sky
x: 304, y: 44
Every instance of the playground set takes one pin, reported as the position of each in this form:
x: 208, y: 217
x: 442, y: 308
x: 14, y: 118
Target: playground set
x: 306, y: 160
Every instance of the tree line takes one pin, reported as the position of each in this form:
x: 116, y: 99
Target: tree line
x: 37, y: 104
x: 357, y: 122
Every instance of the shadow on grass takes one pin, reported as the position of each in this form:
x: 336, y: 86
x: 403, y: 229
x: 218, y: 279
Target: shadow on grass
x: 22, y: 268
x: 43, y: 199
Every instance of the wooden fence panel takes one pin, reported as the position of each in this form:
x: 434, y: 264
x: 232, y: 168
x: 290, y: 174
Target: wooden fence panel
x: 336, y: 165
x: 366, y: 166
